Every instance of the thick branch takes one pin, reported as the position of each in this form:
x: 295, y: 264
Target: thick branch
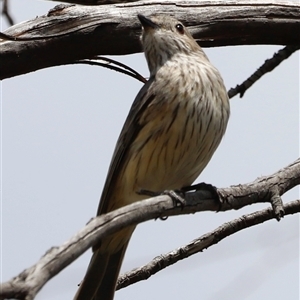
x: 96, y: 2
x: 30, y: 281
x: 76, y: 32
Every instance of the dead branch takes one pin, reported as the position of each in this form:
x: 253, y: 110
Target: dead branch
x: 112, y: 65
x: 68, y: 33
x: 6, y: 13
x: 27, y: 284
x: 96, y: 2
x: 198, y: 245
x: 268, y: 66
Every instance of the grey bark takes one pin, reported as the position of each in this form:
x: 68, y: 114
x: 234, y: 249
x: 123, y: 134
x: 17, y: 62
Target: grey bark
x: 70, y: 32
x: 264, y: 189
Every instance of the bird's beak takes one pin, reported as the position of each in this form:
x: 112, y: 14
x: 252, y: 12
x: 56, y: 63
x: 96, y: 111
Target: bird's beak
x: 147, y: 23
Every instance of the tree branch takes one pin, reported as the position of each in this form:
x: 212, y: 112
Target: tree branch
x: 268, y: 66
x: 70, y: 33
x: 27, y: 284
x: 205, y: 241
x: 96, y: 2
x: 6, y: 13
x: 109, y: 64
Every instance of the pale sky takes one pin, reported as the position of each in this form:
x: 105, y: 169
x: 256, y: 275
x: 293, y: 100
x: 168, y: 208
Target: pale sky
x: 59, y: 129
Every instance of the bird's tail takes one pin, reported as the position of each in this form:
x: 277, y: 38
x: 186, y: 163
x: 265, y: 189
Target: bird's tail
x: 101, y: 277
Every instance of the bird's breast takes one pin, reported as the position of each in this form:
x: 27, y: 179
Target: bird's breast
x: 180, y: 130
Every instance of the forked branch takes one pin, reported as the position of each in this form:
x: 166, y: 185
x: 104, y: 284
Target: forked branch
x: 27, y: 284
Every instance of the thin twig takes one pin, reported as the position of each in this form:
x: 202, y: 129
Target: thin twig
x: 268, y: 66
x: 140, y: 77
x: 6, y: 13
x: 124, y: 69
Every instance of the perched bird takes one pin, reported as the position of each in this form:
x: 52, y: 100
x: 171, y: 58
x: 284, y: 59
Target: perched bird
x: 172, y: 130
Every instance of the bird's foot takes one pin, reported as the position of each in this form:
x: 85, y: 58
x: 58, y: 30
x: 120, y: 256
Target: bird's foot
x: 177, y: 196
x: 205, y: 186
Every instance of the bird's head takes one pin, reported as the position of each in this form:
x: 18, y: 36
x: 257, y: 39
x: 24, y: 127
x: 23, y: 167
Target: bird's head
x: 163, y: 37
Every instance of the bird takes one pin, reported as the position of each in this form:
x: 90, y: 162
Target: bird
x: 173, y: 128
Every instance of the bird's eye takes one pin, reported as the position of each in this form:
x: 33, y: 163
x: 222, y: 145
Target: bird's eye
x: 179, y: 28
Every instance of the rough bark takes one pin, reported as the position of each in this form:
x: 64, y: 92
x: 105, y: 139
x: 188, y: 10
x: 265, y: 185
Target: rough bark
x: 264, y: 189
x: 71, y: 32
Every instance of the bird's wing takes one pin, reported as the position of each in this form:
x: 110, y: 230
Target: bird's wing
x: 129, y: 132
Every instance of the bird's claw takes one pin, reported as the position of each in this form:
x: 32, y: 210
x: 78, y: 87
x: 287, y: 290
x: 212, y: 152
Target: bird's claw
x: 177, y: 196
x: 205, y: 186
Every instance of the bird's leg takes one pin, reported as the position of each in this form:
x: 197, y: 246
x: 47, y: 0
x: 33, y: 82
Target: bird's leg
x: 176, y: 195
